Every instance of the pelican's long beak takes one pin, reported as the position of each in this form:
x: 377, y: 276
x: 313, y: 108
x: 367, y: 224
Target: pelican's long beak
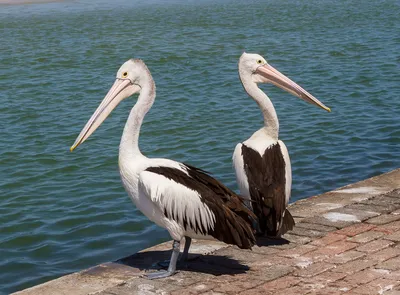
x: 278, y: 79
x: 121, y: 89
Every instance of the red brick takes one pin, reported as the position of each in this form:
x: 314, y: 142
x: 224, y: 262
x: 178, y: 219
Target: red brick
x: 296, y: 252
x: 313, y: 258
x: 383, y: 219
x: 366, y: 237
x: 297, y: 239
x: 394, y: 193
x: 329, y: 222
x: 365, y: 276
x: 346, y: 257
x: 397, y: 212
x: 254, y: 291
x: 385, y: 254
x: 393, y: 237
x: 181, y: 292
x: 271, y: 261
x: 378, y: 286
x: 281, y: 283
x: 354, y: 266
x: 285, y: 246
x: 337, y: 248
x: 383, y: 200
x: 265, y: 250
x: 319, y: 227
x: 326, y: 291
x: 296, y: 290
x: 330, y: 250
x: 314, y: 269
x: 328, y: 239
x: 265, y: 274
x: 313, y: 287
x: 374, y: 246
x: 325, y: 278
x: 211, y: 292
x: 303, y: 262
x: 226, y: 279
x: 236, y: 286
x: 355, y: 229
x: 389, y: 228
x: 200, y: 287
x: 343, y: 285
x: 307, y: 232
x: 391, y: 264
x: 391, y: 275
x: 372, y: 208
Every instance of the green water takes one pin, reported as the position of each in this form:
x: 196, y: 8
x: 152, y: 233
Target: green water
x: 61, y: 212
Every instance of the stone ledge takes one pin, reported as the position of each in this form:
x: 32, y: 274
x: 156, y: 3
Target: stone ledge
x: 349, y: 194
x: 331, y: 241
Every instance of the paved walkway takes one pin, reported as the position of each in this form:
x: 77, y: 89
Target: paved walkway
x: 346, y: 242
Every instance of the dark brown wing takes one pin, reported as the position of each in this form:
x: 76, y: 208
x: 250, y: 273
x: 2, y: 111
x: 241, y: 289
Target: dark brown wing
x: 266, y: 177
x: 233, y: 220
x: 287, y: 223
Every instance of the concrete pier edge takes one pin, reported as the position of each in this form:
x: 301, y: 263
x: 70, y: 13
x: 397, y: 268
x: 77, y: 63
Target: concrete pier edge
x: 327, y: 213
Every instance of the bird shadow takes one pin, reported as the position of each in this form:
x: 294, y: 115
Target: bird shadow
x: 208, y: 264
x: 265, y: 242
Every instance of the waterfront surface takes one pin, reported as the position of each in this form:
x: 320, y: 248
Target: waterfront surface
x: 61, y: 211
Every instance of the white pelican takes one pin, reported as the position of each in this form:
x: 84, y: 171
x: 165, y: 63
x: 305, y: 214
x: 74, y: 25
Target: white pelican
x: 262, y: 162
x: 180, y: 198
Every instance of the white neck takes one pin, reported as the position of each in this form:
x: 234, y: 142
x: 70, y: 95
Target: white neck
x: 271, y: 123
x: 129, y: 145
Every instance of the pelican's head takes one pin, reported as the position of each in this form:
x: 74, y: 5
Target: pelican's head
x: 126, y: 84
x: 256, y: 68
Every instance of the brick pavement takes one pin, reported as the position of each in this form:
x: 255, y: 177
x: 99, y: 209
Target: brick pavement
x: 345, y: 242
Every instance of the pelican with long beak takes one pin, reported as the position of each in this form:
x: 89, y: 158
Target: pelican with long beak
x: 262, y: 163
x: 186, y: 201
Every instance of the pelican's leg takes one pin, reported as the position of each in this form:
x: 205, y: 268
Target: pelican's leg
x: 184, y: 257
x: 185, y: 253
x: 172, y: 264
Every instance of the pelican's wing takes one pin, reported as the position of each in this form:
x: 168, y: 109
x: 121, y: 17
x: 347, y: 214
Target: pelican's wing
x: 198, y: 202
x: 266, y: 176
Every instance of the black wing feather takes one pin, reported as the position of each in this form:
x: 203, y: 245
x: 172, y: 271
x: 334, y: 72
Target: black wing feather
x: 233, y: 224
x: 266, y: 178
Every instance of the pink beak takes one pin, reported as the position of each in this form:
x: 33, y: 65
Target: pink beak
x: 271, y: 75
x: 114, y: 96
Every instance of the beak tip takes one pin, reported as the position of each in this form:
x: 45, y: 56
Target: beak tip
x: 328, y: 110
x: 71, y: 149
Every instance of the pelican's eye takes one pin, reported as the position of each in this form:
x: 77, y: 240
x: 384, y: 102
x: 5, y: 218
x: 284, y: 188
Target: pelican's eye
x: 259, y: 61
x: 124, y: 74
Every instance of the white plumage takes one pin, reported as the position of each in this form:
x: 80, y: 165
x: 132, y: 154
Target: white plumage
x: 176, y: 200
x: 262, y: 162
x: 180, y: 198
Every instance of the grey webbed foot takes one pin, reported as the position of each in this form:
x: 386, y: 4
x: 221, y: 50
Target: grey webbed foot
x: 159, y: 274
x: 172, y: 265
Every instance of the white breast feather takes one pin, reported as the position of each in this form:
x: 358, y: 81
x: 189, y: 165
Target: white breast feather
x: 241, y: 176
x: 260, y: 144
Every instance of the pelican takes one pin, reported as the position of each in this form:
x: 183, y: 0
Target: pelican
x: 262, y: 163
x: 184, y: 200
